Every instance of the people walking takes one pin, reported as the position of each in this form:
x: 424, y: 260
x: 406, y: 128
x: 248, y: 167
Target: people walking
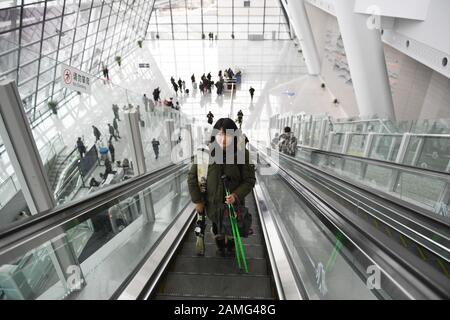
x: 112, y: 133
x: 156, y: 95
x: 116, y: 127
x: 252, y: 92
x: 112, y: 151
x: 81, y: 147
x: 115, y: 108
x: 97, y: 133
x: 210, y: 117
x: 155, y: 144
x: 240, y: 115
x: 145, y: 100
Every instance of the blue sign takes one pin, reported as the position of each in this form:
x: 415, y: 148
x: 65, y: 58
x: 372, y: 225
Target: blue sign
x: 290, y: 94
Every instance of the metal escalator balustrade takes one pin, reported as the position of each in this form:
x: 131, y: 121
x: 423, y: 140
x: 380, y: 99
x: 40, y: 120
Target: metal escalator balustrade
x: 442, y: 255
x: 91, y: 248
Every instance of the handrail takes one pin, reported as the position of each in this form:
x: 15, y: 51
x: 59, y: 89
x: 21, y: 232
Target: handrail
x: 383, y: 163
x: 14, y: 239
x: 381, y: 121
x: 288, y: 285
x: 421, y: 226
x: 400, y: 202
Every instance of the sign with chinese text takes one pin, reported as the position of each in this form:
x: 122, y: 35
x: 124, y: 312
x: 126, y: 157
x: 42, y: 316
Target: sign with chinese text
x: 75, y: 79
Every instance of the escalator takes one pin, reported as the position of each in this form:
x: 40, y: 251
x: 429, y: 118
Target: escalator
x: 409, y: 247
x: 309, y: 242
x: 213, y: 277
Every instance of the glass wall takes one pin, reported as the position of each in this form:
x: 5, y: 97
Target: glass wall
x: 225, y: 19
x: 81, y: 33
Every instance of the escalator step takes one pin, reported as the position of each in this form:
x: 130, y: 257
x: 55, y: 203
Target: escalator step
x: 216, y: 265
x: 251, y: 251
x: 256, y: 238
x: 213, y: 286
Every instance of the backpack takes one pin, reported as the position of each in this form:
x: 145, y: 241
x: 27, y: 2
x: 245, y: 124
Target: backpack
x: 244, y: 221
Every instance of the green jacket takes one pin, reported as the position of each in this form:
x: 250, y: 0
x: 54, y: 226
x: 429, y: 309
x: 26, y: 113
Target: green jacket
x: 242, y: 181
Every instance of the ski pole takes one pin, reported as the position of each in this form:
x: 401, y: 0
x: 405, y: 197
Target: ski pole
x: 234, y: 226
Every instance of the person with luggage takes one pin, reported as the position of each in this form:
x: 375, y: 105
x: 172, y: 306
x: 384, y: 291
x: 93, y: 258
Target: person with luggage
x: 226, y: 184
x: 155, y: 144
x: 210, y: 117
x: 93, y: 183
x: 81, y: 147
x: 97, y: 133
x: 108, y: 168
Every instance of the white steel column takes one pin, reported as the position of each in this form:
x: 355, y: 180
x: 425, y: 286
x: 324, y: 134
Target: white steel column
x: 365, y: 56
x: 21, y: 148
x: 300, y: 22
x: 132, y: 121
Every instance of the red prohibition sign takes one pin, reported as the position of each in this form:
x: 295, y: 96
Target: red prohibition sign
x: 67, y: 76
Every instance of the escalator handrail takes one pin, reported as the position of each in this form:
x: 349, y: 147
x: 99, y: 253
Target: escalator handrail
x: 287, y: 284
x: 49, y: 224
x: 419, y: 211
x: 394, y: 259
x: 430, y: 173
x: 416, y: 215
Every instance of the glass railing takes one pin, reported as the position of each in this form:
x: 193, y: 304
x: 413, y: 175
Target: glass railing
x: 97, y: 250
x: 75, y: 115
x: 420, y: 188
x: 424, y: 144
x: 48, y: 152
x: 8, y: 188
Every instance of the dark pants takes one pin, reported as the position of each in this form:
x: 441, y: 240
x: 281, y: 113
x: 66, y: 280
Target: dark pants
x: 113, y: 157
x: 82, y: 152
x: 156, y: 151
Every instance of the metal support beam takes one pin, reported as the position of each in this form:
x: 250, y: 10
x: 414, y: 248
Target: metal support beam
x: 29, y: 169
x: 22, y: 150
x: 132, y: 121
x: 370, y: 80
